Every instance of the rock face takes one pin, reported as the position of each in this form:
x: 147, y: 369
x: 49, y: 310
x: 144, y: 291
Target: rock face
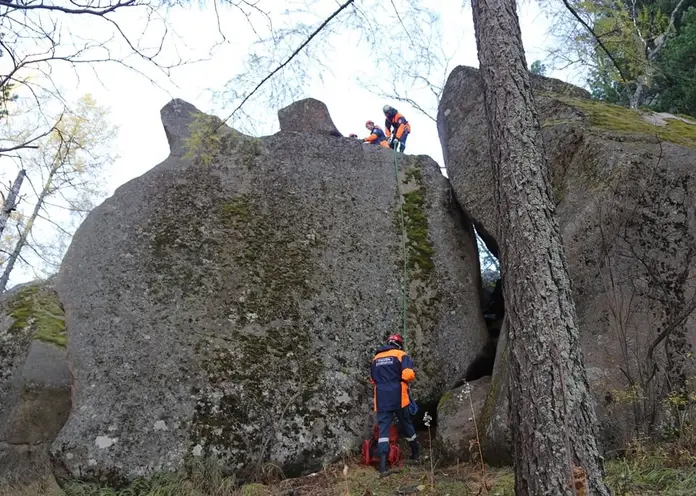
x: 458, y: 417
x: 307, y: 116
x: 35, y: 381
x: 625, y: 193
x: 229, y: 304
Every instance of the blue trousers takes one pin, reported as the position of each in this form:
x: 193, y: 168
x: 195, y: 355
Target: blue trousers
x: 384, y: 420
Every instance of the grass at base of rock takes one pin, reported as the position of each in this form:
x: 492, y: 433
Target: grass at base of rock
x: 44, y: 487
x: 649, y: 476
x: 636, y: 477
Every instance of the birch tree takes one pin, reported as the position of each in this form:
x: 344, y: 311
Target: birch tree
x: 40, y: 37
x: 620, y: 42
x: 10, y: 203
x: 65, y: 177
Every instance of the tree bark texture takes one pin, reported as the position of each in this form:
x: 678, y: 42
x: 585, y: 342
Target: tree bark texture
x: 10, y: 203
x: 552, y: 412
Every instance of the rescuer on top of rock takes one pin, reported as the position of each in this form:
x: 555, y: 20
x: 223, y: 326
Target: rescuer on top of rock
x: 397, y: 123
x: 391, y: 372
x: 377, y: 136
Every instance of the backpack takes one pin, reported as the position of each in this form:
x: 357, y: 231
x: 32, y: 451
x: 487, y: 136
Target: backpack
x: 370, y: 455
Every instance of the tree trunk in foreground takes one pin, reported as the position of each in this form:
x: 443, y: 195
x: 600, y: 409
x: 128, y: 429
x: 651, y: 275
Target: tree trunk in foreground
x: 552, y: 412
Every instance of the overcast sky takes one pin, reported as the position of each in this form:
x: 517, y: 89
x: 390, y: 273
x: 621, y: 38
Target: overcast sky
x: 135, y: 102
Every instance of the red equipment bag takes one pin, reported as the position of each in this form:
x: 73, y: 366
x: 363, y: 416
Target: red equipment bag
x: 370, y: 455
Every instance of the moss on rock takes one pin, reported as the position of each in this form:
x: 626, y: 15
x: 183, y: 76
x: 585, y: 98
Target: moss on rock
x: 39, y: 309
x: 445, y: 403
x: 624, y: 120
x: 420, y: 249
x: 271, y: 368
x: 423, y: 294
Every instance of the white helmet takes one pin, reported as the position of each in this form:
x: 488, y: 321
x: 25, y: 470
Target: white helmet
x: 386, y: 109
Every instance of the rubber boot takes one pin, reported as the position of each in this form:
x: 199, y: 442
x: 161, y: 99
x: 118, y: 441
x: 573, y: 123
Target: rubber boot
x: 382, y: 465
x: 415, y: 452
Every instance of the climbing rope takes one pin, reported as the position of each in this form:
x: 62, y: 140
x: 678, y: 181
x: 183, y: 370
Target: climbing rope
x: 404, y: 282
x: 412, y: 407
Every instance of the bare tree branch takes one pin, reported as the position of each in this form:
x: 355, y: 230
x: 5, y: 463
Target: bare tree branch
x: 286, y: 62
x: 597, y: 38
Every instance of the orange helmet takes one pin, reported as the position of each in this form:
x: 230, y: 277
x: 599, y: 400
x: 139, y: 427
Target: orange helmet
x: 369, y: 125
x: 396, y: 339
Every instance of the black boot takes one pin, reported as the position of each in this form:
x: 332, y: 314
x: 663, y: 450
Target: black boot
x: 382, y: 464
x: 415, y: 451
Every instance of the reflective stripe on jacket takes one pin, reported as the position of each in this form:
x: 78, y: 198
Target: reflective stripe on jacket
x: 391, y: 371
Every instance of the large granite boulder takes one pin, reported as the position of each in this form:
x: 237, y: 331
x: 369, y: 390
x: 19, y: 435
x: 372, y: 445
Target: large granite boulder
x: 228, y: 302
x: 625, y: 188
x: 34, y: 380
x: 307, y: 116
x: 459, y: 425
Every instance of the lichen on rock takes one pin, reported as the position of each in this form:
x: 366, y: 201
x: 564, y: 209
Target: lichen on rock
x: 238, y: 299
x: 622, y: 180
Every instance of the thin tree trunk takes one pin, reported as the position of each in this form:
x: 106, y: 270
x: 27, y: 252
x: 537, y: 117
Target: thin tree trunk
x: 635, y: 99
x: 553, y: 418
x: 9, y: 266
x: 12, y: 200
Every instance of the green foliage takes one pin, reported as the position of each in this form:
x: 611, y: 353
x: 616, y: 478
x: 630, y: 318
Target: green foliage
x: 205, y: 142
x: 202, y: 479
x: 676, y: 81
x: 604, y: 87
x: 633, y: 33
x: 538, y: 68
x: 623, y: 32
x: 66, y: 170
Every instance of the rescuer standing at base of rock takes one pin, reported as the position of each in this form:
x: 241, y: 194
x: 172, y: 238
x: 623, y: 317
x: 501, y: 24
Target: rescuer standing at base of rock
x: 391, y: 372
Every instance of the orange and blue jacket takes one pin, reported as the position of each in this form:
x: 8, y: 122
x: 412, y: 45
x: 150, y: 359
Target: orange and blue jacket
x: 398, y: 123
x: 376, y: 137
x: 391, y: 371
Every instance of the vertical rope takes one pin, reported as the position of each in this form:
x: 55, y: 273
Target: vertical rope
x: 404, y: 282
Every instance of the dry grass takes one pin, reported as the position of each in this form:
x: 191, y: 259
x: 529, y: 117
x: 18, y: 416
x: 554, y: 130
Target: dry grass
x: 644, y: 474
x: 47, y: 487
